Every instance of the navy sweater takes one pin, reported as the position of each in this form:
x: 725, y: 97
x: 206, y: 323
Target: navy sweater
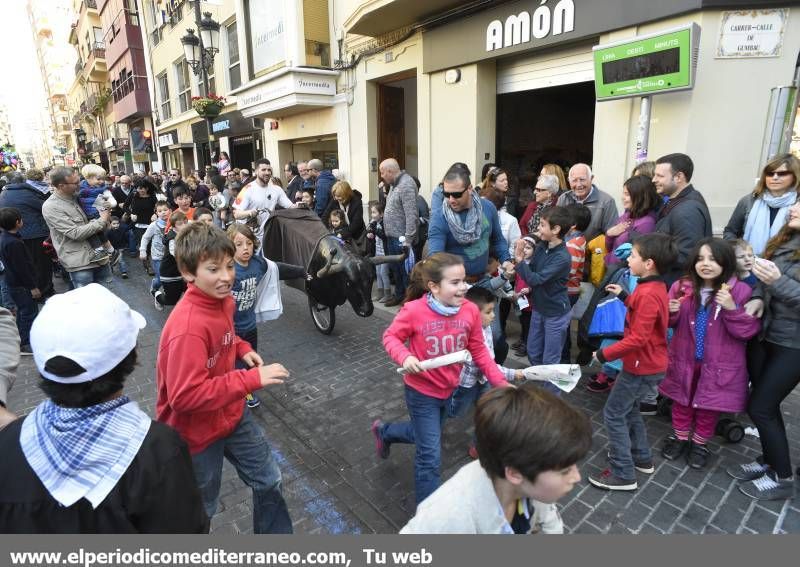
x: 546, y: 274
x: 19, y: 267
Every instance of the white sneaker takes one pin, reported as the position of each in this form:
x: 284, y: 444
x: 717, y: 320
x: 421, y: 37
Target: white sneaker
x: 158, y: 299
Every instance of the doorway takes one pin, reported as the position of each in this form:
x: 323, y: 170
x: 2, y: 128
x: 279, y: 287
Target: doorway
x: 397, y: 121
x: 549, y: 125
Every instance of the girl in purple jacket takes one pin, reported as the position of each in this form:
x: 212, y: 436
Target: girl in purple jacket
x: 640, y: 201
x: 707, y: 373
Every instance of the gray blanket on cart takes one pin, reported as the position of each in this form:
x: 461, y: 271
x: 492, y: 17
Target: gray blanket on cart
x: 290, y: 236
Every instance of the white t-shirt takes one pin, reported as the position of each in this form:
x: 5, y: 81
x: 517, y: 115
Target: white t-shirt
x: 254, y: 196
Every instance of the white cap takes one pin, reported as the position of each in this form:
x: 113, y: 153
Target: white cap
x: 89, y: 325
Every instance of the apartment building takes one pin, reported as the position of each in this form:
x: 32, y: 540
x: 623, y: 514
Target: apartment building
x: 49, y: 22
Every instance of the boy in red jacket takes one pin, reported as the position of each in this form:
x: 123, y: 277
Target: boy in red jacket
x: 201, y: 395
x: 643, y: 350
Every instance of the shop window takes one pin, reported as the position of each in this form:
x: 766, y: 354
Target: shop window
x: 163, y: 90
x: 232, y: 57
x: 184, y: 87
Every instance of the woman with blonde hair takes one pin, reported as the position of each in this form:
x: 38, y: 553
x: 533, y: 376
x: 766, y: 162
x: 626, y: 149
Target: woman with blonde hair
x: 760, y: 214
x: 558, y: 171
x: 349, y: 201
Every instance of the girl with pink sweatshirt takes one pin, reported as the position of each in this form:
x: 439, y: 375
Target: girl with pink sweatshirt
x: 436, y: 319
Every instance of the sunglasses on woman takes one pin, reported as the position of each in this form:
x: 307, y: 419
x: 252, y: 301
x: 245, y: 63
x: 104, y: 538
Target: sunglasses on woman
x: 779, y: 173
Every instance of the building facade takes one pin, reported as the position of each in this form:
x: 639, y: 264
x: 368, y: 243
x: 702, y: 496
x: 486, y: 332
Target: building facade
x: 56, y: 59
x: 513, y: 83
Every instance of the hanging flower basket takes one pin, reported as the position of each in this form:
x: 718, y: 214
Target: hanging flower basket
x: 208, y: 106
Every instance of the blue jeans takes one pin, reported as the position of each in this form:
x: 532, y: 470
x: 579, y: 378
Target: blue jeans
x: 464, y: 398
x: 26, y: 312
x: 393, y: 247
x: 101, y: 275
x: 248, y: 450
x: 627, y: 434
x: 425, y: 430
x: 133, y: 244
x: 123, y: 266
x: 546, y: 340
x: 156, y: 281
x: 5, y: 295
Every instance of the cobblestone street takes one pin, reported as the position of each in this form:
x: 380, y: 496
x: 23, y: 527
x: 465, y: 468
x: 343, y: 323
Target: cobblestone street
x: 319, y: 422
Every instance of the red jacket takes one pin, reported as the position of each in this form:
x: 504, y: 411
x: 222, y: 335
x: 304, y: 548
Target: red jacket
x: 199, y: 392
x: 643, y: 348
x: 430, y: 335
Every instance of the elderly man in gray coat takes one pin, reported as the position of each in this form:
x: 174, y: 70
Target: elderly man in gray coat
x: 585, y: 192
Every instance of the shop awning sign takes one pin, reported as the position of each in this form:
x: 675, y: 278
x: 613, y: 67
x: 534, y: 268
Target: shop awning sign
x: 651, y: 64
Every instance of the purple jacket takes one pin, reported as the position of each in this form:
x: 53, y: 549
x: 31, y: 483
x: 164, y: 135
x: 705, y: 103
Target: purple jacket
x: 723, y: 378
x: 640, y: 226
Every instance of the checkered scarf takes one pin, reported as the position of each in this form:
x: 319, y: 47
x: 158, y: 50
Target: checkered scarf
x: 83, y: 452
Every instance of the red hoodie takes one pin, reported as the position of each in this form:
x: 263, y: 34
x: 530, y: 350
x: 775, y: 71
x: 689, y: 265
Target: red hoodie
x: 643, y: 348
x: 199, y: 392
x: 430, y: 335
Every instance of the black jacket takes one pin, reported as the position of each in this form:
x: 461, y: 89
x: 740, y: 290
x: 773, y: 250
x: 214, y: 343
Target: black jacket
x: 355, y: 217
x: 157, y: 494
x: 122, y: 200
x: 687, y: 220
x: 295, y: 185
x: 19, y: 267
x: 143, y: 208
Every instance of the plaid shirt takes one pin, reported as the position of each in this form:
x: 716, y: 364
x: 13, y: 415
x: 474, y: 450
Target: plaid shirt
x: 471, y: 374
x: 576, y: 246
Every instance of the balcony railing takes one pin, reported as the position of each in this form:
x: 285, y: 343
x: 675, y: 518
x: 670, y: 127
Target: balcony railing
x: 131, y: 83
x: 99, y: 50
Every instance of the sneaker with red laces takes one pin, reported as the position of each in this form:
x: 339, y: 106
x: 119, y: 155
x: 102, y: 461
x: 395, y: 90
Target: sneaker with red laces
x: 607, y: 481
x: 381, y: 446
x: 600, y: 382
x: 472, y: 452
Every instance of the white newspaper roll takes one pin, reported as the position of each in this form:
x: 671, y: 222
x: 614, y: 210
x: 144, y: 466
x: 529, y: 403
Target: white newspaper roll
x: 563, y: 376
x: 458, y: 357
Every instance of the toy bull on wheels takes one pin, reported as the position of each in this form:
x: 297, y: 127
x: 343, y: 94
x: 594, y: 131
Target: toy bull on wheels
x: 336, y: 272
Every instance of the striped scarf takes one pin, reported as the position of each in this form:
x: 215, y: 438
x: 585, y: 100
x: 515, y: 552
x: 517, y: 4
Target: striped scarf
x: 83, y: 452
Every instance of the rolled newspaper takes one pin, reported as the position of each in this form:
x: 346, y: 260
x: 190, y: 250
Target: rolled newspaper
x: 458, y: 357
x: 563, y: 376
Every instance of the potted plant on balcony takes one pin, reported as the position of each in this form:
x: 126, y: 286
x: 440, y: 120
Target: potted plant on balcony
x: 208, y: 106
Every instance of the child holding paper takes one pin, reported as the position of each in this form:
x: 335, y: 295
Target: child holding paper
x: 435, y: 320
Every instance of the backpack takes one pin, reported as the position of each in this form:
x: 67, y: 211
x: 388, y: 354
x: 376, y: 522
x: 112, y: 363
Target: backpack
x: 597, y: 266
x: 587, y: 344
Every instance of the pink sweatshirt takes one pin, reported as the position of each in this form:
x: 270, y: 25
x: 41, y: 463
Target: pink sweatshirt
x: 430, y: 335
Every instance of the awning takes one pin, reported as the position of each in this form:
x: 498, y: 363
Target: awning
x: 382, y: 16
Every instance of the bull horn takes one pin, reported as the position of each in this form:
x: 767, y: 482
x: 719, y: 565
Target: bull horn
x: 329, y: 268
x: 377, y: 260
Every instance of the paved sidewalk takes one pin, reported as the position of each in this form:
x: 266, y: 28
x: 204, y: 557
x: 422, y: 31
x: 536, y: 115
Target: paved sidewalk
x: 319, y: 423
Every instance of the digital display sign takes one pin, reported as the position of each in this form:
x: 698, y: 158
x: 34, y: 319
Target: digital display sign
x: 655, y: 63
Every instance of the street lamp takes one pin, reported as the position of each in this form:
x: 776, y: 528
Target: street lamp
x: 191, y: 49
x: 200, y: 53
x: 209, y: 33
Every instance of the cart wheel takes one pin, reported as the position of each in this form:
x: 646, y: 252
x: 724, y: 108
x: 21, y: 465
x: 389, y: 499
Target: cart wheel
x: 324, y: 317
x: 722, y: 426
x: 664, y: 407
x: 734, y: 432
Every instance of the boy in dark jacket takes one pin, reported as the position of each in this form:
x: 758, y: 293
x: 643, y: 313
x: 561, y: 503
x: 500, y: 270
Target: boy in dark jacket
x: 200, y: 393
x: 118, y: 237
x: 643, y: 350
x: 546, y: 274
x: 168, y: 272
x: 20, y: 277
